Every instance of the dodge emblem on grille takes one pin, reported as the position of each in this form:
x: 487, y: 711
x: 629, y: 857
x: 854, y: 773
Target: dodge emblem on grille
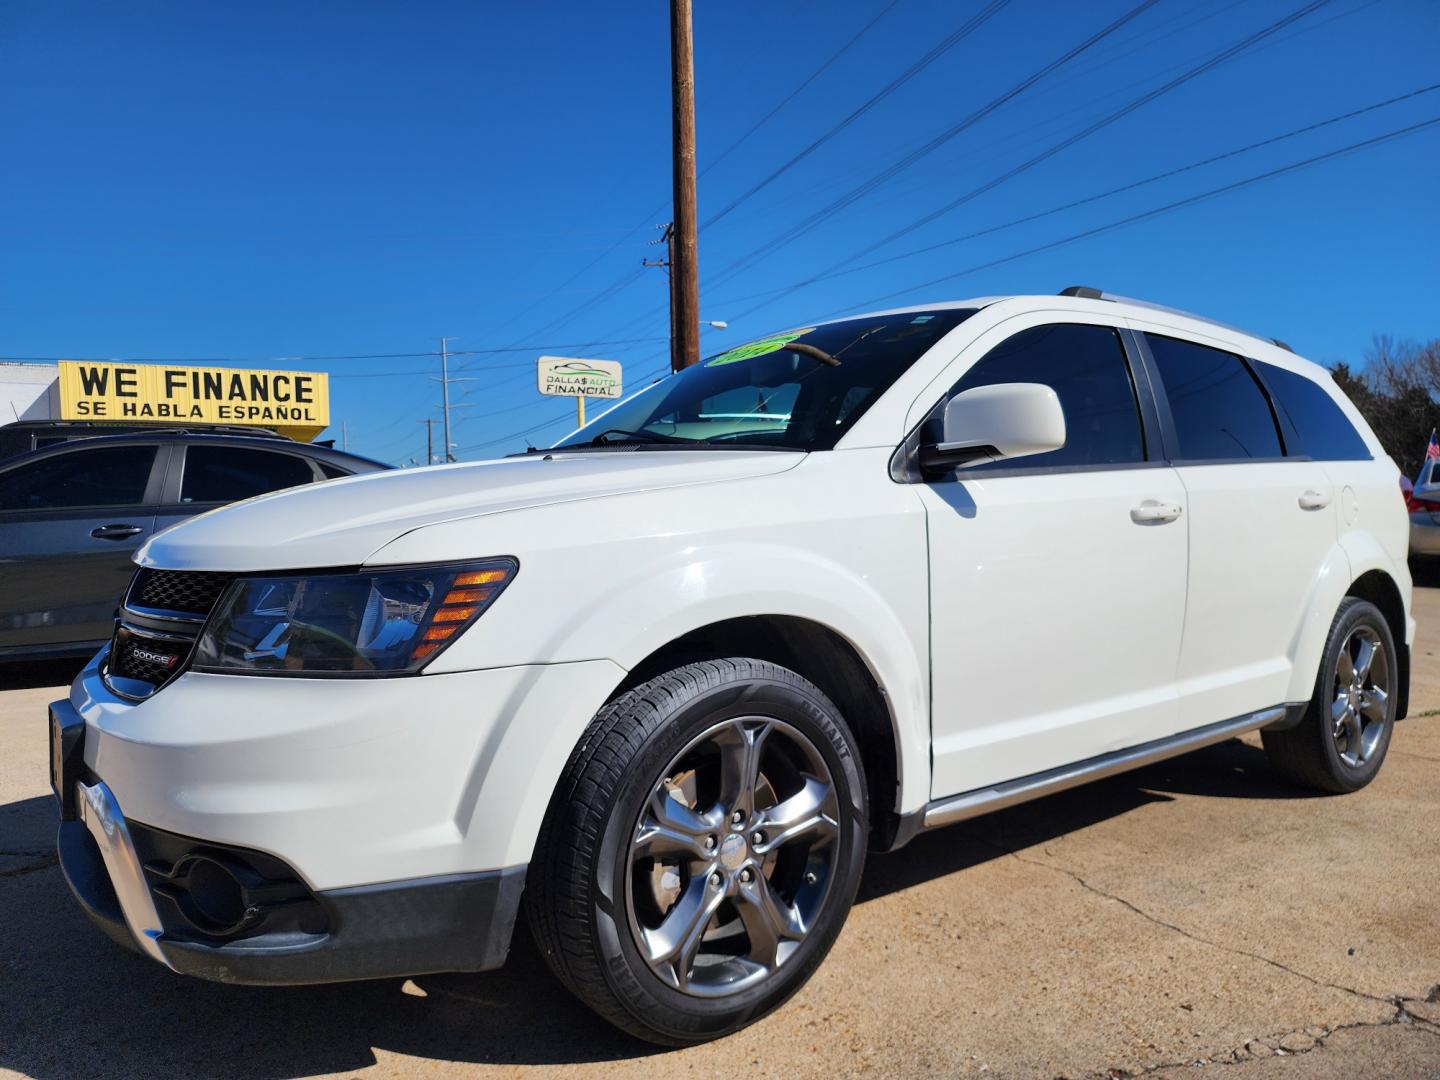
x: 163, y: 659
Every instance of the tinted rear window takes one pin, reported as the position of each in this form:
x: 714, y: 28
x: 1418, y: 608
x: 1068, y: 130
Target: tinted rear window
x: 1220, y: 412
x: 229, y: 473
x: 1324, y: 431
x: 112, y: 476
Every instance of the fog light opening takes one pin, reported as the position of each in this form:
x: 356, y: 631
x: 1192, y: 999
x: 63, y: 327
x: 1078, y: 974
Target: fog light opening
x: 214, y: 897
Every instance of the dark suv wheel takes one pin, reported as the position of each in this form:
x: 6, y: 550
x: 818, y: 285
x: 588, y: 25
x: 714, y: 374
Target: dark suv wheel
x: 1340, y: 743
x: 701, y: 851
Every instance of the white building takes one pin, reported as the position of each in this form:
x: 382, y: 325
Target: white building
x: 29, y: 392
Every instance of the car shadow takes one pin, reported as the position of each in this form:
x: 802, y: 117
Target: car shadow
x: 1425, y: 572
x: 1229, y: 770
x: 28, y: 674
x: 77, y: 1004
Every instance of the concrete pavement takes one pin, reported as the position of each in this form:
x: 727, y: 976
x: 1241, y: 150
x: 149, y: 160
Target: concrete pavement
x: 1190, y: 915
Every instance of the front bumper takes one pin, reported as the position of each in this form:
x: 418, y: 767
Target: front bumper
x: 460, y: 922
x: 387, y: 822
x: 348, y: 781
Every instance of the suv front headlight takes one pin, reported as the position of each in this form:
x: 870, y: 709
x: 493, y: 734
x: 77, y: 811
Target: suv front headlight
x: 380, y: 622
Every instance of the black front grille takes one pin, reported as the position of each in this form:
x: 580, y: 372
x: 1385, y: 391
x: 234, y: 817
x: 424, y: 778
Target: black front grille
x: 191, y: 591
x: 159, y: 622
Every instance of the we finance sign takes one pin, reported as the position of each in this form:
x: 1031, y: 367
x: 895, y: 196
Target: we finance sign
x: 294, y: 402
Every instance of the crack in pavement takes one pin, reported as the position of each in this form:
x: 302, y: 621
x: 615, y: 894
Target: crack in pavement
x: 1271, y: 1046
x: 1411, y: 753
x: 1075, y: 876
x: 28, y: 868
x: 46, y: 856
x: 1401, y: 1015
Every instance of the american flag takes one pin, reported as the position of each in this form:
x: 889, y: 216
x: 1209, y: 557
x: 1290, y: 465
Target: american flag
x: 1433, y: 450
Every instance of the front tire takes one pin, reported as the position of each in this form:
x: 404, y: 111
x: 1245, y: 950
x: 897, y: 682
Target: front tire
x: 701, y: 850
x: 1341, y: 741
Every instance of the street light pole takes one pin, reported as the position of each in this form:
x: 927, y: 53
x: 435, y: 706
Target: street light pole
x: 685, y: 275
x: 445, y: 396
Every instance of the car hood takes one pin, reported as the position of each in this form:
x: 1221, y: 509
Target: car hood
x: 344, y: 522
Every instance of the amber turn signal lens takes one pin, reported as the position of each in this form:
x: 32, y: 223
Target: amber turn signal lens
x: 467, y: 596
x: 479, y: 577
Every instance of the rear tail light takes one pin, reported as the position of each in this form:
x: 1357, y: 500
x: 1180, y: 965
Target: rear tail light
x: 1412, y: 504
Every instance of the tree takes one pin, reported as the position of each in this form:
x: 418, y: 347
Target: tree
x: 1397, y: 394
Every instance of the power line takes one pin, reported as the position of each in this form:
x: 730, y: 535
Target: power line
x: 1132, y: 219
x: 1116, y: 53
x: 310, y: 359
x: 965, y: 30
x: 646, y: 379
x: 1131, y: 186
x: 1156, y: 211
x: 411, y: 374
x: 1091, y: 129
x: 567, y: 417
x: 1055, y: 119
x: 895, y: 168
x: 629, y: 279
x: 825, y: 65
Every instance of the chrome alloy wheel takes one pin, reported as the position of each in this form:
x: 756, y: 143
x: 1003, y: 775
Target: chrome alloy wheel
x: 1362, y: 696
x: 732, y: 856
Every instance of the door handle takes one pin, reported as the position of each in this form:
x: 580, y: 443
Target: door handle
x: 1314, y: 500
x: 1152, y: 512
x: 116, y: 532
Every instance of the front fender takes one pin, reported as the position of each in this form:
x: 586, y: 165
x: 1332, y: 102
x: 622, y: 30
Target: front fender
x: 621, y: 577
x: 697, y: 590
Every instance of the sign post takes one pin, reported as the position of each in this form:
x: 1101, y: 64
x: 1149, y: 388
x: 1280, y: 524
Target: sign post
x: 565, y: 376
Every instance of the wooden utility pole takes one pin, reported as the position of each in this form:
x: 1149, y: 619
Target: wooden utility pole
x: 429, y: 423
x: 685, y: 338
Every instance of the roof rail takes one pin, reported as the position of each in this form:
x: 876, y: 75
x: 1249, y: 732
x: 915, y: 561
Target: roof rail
x: 1089, y: 293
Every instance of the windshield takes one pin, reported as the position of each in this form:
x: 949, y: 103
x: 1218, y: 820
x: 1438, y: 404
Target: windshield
x: 765, y: 395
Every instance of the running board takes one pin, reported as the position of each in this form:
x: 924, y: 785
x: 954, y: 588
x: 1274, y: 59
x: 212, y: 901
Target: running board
x: 974, y: 803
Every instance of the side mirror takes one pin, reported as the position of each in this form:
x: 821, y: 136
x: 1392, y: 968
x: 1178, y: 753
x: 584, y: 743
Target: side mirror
x: 1008, y: 420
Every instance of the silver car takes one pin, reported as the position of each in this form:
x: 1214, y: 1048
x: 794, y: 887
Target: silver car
x: 72, y: 514
x: 1423, y: 501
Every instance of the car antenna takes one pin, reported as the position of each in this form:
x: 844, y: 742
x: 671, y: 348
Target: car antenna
x: 812, y: 352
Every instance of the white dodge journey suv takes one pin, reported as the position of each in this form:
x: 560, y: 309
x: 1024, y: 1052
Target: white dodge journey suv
x: 665, y: 683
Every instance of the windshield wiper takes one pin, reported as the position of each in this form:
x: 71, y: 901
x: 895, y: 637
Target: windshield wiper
x: 641, y: 436
x: 657, y: 445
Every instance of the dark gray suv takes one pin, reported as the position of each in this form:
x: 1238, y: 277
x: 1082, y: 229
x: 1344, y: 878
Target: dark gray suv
x: 72, y: 515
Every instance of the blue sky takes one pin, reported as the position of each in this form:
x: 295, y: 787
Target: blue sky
x: 325, y: 179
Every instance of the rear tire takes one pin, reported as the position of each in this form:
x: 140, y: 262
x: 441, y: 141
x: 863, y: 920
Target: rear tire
x: 701, y: 850
x: 1340, y: 743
